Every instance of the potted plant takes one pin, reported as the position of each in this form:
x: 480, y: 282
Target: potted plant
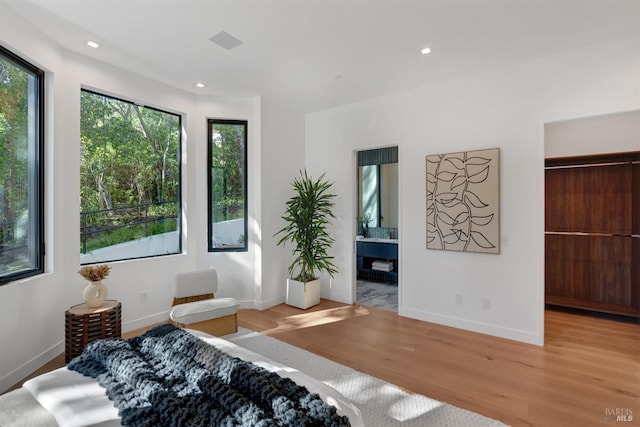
x: 308, y: 214
x: 363, y: 224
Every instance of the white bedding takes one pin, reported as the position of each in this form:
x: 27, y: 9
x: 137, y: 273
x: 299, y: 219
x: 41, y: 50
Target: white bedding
x: 75, y: 400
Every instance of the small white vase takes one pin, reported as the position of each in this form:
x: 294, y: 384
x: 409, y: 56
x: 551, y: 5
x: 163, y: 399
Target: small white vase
x: 95, y: 294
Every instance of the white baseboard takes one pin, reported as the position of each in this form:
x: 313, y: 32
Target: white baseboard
x: 142, y: 322
x: 474, y: 326
x: 30, y: 366
x: 46, y: 356
x: 52, y: 352
x: 271, y: 302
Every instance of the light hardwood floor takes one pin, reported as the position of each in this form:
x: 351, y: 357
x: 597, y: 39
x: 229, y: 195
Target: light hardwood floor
x: 588, y: 368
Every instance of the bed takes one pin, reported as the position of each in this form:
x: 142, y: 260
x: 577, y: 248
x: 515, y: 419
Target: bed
x: 66, y: 397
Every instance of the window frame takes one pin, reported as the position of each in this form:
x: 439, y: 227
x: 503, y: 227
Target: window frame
x: 179, y: 224
x: 37, y: 168
x: 211, y: 122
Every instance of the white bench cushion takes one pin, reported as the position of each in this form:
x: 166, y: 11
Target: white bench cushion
x: 198, y: 311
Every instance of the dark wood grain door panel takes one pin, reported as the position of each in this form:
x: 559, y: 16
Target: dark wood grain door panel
x: 592, y: 223
x: 591, y: 199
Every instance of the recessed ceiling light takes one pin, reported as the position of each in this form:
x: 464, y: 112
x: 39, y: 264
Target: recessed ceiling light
x: 93, y: 44
x: 200, y: 85
x: 425, y: 51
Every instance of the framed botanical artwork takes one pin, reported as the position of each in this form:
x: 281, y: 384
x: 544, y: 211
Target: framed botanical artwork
x: 463, y: 201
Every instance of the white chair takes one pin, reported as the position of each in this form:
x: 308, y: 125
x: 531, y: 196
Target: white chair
x: 195, y: 305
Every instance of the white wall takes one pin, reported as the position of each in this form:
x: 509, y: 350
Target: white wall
x: 32, y: 310
x: 608, y: 133
x: 505, y: 108
x: 236, y: 270
x: 282, y: 158
x: 27, y: 327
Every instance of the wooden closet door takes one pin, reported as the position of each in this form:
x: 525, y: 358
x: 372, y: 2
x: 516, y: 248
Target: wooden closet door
x: 591, y: 254
x: 589, y: 198
x: 588, y: 271
x: 635, y: 251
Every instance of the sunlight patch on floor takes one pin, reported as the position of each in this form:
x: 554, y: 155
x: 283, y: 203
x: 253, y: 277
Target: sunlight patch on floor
x: 402, y: 406
x: 412, y: 406
x: 317, y: 318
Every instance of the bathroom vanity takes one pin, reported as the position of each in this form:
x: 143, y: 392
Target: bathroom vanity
x: 377, y: 259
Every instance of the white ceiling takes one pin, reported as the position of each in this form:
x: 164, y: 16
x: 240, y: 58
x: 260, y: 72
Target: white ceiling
x: 294, y: 49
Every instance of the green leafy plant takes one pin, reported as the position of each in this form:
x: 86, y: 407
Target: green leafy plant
x: 364, y: 220
x: 308, y: 214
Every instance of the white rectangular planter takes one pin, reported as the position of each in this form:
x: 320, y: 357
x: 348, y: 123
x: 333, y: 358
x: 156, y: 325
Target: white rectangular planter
x: 303, y: 295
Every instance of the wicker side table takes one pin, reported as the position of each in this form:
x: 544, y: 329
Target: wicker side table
x: 84, y: 324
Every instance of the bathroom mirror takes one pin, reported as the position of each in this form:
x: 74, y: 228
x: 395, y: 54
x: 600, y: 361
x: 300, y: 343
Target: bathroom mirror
x: 378, y: 189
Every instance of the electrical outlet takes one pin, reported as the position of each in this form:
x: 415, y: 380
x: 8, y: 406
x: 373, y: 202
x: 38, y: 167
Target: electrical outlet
x: 486, y: 303
x: 143, y: 296
x: 458, y: 298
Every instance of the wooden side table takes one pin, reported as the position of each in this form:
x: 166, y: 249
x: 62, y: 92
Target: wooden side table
x: 84, y: 324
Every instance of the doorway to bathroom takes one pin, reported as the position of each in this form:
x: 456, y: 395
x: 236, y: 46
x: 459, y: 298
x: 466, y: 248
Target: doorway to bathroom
x: 376, y: 243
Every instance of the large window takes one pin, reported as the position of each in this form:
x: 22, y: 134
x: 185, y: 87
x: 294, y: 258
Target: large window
x: 21, y: 168
x: 227, y: 185
x: 129, y: 180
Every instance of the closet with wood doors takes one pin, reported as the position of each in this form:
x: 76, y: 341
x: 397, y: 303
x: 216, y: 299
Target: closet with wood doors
x: 592, y: 232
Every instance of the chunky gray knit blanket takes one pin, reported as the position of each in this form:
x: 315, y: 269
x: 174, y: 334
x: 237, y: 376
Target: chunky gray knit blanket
x: 168, y: 377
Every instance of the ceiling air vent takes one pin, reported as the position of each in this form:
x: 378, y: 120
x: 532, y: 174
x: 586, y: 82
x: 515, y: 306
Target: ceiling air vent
x: 225, y: 40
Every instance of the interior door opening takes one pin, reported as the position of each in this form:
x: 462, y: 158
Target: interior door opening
x: 376, y: 243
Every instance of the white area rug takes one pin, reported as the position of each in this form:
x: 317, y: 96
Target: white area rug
x: 382, y: 404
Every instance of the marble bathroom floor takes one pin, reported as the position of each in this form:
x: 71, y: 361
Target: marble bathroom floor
x: 377, y: 294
